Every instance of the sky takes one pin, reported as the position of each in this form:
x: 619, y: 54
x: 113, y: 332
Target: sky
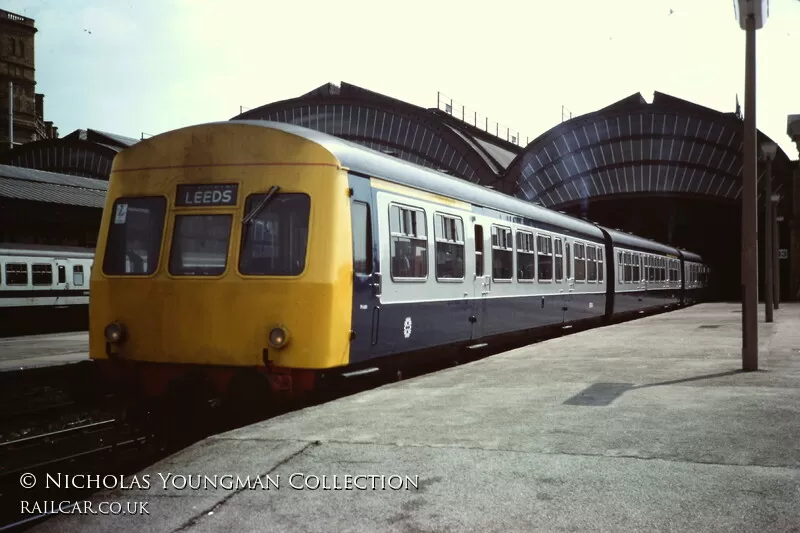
x: 131, y: 67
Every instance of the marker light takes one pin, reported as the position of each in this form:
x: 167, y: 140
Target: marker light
x: 115, y: 332
x: 278, y: 337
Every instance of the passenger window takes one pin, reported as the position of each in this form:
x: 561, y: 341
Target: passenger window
x: 621, y: 267
x: 526, y: 256
x: 502, y: 253
x: 600, y: 263
x: 77, y: 275
x: 544, y: 256
x: 479, y: 251
x: 409, y: 247
x: 591, y: 263
x: 628, y: 267
x: 275, y: 242
x: 362, y: 239
x: 448, y: 231
x: 16, y: 274
x: 62, y: 274
x: 134, y: 236
x: 559, y: 255
x: 580, y: 262
x: 637, y: 273
x: 42, y: 275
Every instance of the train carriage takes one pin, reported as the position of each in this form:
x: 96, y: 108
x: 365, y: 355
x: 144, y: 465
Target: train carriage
x: 647, y: 274
x: 268, y: 253
x: 43, y: 288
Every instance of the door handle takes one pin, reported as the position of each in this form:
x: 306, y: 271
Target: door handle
x: 377, y: 284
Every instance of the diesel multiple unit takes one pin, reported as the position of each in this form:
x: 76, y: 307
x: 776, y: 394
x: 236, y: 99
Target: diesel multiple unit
x: 269, y: 254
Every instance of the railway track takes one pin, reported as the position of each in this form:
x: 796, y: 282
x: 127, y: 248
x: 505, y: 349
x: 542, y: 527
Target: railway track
x: 109, y: 445
x: 103, y: 447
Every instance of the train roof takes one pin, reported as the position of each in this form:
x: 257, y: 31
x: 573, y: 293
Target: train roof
x: 376, y: 164
x: 640, y: 243
x: 39, y: 250
x: 691, y: 256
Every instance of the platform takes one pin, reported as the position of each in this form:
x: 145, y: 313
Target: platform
x: 32, y: 351
x: 644, y: 426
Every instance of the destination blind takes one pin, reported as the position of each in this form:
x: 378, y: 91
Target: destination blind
x: 218, y: 194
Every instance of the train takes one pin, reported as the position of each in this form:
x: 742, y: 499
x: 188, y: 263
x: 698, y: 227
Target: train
x: 268, y: 257
x: 44, y: 288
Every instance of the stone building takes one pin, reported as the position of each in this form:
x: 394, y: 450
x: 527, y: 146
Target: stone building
x: 18, y: 72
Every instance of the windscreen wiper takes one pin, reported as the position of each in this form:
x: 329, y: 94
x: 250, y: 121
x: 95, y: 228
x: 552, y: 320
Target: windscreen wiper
x: 257, y: 209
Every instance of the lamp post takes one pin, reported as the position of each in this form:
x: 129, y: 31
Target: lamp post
x: 751, y: 15
x: 768, y: 151
x: 776, y: 262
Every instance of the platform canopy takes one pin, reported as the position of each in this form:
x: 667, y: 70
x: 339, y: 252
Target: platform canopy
x: 428, y: 137
x: 17, y: 183
x: 88, y: 153
x: 667, y: 147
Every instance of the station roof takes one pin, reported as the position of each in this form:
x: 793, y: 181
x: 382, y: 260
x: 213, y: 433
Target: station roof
x: 671, y: 146
x: 49, y: 187
x: 428, y: 137
x: 88, y: 153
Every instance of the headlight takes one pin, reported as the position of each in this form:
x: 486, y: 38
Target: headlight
x: 278, y: 337
x: 115, y: 332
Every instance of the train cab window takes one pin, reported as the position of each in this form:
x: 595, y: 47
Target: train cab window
x: 448, y: 231
x: 620, y: 267
x: 559, y: 255
x: 362, y: 239
x: 134, y: 236
x: 77, y: 275
x: 502, y: 253
x: 591, y: 263
x: 62, y: 274
x: 409, y: 247
x: 200, y: 245
x: 275, y: 241
x: 600, y: 264
x: 568, y: 246
x: 544, y: 257
x: 41, y: 274
x: 526, y: 257
x: 580, y: 262
x: 16, y: 274
x: 478, y: 251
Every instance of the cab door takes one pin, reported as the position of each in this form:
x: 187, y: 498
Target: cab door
x: 366, y: 278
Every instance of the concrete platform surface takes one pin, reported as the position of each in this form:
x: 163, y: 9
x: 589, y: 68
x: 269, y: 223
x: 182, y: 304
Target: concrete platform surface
x: 644, y: 426
x: 30, y: 351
